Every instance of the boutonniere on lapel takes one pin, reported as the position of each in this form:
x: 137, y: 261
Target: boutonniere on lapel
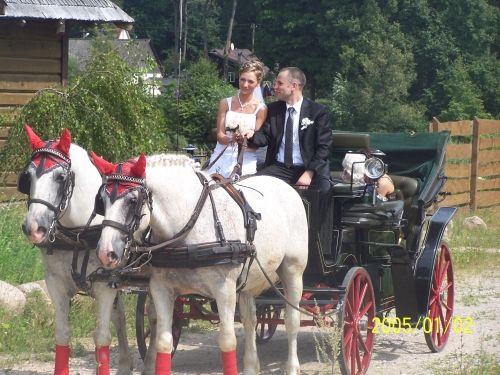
x: 305, y: 123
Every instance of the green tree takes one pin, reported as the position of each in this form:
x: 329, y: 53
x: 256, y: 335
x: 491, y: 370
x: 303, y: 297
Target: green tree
x: 460, y: 93
x: 376, y: 99
x: 107, y: 109
x: 200, y: 94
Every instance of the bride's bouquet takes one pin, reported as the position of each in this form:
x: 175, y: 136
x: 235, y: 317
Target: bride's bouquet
x: 235, y: 126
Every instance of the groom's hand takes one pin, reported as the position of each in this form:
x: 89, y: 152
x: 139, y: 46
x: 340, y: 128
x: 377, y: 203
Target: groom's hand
x: 305, y: 180
x: 245, y: 134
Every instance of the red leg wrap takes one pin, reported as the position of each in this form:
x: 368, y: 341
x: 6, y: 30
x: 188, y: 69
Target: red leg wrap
x: 229, y: 366
x: 102, y: 360
x: 62, y: 360
x: 163, y: 363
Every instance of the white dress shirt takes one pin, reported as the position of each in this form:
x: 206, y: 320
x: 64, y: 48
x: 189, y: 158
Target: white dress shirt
x: 297, y: 157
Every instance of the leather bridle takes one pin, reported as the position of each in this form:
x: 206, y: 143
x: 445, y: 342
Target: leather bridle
x: 67, y: 188
x: 144, y: 196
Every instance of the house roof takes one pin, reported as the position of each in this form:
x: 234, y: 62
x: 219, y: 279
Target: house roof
x: 233, y: 57
x: 80, y: 10
x: 80, y: 48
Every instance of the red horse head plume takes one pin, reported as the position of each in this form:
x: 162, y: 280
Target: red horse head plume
x: 132, y: 168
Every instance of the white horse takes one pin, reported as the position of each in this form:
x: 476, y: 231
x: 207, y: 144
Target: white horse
x: 280, y: 241
x: 48, y: 179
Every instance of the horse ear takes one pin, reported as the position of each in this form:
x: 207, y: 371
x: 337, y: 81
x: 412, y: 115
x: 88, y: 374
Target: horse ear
x: 64, y: 142
x: 104, y: 167
x: 139, y: 167
x: 35, y: 141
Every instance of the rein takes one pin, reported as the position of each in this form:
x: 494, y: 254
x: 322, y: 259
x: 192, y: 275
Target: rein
x: 202, y: 254
x: 237, y: 170
x: 205, y: 193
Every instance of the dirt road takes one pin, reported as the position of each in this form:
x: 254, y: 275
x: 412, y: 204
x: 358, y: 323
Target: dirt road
x: 477, y: 304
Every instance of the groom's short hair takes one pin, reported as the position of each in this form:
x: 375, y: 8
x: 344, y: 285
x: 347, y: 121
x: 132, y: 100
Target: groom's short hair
x: 295, y: 74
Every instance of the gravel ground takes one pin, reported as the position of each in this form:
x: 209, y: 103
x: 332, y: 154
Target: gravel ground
x: 477, y: 302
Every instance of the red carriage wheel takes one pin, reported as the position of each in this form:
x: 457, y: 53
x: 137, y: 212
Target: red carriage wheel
x: 143, y: 331
x: 265, y: 331
x: 356, y: 321
x: 441, y: 297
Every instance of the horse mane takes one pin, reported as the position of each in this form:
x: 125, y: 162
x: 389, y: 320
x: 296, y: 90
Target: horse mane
x: 171, y: 160
x: 76, y: 152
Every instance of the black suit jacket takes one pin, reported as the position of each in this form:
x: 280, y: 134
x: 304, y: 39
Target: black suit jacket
x: 315, y: 140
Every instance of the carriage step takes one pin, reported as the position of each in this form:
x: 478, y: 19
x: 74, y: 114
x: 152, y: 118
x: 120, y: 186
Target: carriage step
x: 279, y: 301
x: 312, y: 289
x: 339, y: 289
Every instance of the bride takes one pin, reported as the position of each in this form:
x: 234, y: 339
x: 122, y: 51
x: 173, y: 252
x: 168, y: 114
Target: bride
x: 246, y: 110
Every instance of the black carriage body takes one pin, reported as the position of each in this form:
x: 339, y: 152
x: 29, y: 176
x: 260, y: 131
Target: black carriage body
x: 385, y: 239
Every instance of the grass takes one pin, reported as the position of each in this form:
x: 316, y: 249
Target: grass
x: 477, y: 363
x: 32, y: 332
x: 476, y: 251
x: 20, y: 261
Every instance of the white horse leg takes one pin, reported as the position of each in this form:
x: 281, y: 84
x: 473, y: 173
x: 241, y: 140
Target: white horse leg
x: 61, y: 301
x: 248, y: 316
x: 102, y: 335
x: 164, y: 303
x: 149, y: 361
x: 125, y: 364
x: 226, y: 304
x: 291, y: 280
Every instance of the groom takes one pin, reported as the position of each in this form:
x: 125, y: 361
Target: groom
x: 298, y: 135
x: 299, y: 138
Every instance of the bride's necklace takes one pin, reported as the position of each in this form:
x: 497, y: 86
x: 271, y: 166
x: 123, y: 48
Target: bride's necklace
x: 243, y: 105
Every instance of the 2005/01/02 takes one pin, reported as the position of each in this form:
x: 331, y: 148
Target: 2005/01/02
x: 388, y: 325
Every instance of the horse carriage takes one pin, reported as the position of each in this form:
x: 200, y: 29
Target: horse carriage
x: 367, y: 258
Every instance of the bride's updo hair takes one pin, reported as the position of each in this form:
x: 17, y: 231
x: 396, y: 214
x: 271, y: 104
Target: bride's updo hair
x: 253, y: 66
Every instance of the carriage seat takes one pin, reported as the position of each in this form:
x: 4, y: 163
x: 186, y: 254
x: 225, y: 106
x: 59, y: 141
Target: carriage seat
x: 365, y: 215
x: 405, y: 187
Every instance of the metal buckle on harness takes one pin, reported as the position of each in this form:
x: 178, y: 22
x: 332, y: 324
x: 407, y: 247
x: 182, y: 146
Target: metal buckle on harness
x: 52, y: 231
x: 236, y: 177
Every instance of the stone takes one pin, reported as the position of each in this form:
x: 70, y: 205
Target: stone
x: 474, y: 222
x: 30, y: 287
x: 11, y: 298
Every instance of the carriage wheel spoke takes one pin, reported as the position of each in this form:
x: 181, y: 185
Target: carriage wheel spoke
x: 363, y: 344
x: 356, y: 288
x: 348, y: 337
x: 363, y: 294
x: 358, y: 357
x: 365, y: 309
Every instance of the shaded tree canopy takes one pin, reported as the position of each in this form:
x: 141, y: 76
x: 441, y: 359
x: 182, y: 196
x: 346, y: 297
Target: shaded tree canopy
x: 380, y: 65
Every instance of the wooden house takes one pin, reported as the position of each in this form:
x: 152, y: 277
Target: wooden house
x: 34, y: 46
x: 235, y: 59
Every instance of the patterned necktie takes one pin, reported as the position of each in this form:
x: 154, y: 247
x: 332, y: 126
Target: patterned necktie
x: 289, y: 138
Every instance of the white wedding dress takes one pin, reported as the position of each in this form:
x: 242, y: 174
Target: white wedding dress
x: 226, y: 162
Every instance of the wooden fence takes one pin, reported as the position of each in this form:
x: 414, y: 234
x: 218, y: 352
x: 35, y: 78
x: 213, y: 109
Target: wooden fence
x: 473, y: 168
x: 8, y: 188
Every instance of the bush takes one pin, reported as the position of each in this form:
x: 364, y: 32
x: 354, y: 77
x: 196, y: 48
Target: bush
x: 107, y: 109
x: 200, y: 94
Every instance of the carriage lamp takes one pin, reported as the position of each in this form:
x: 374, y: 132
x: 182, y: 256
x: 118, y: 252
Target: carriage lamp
x: 190, y: 149
x: 374, y: 168
x: 377, y: 153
